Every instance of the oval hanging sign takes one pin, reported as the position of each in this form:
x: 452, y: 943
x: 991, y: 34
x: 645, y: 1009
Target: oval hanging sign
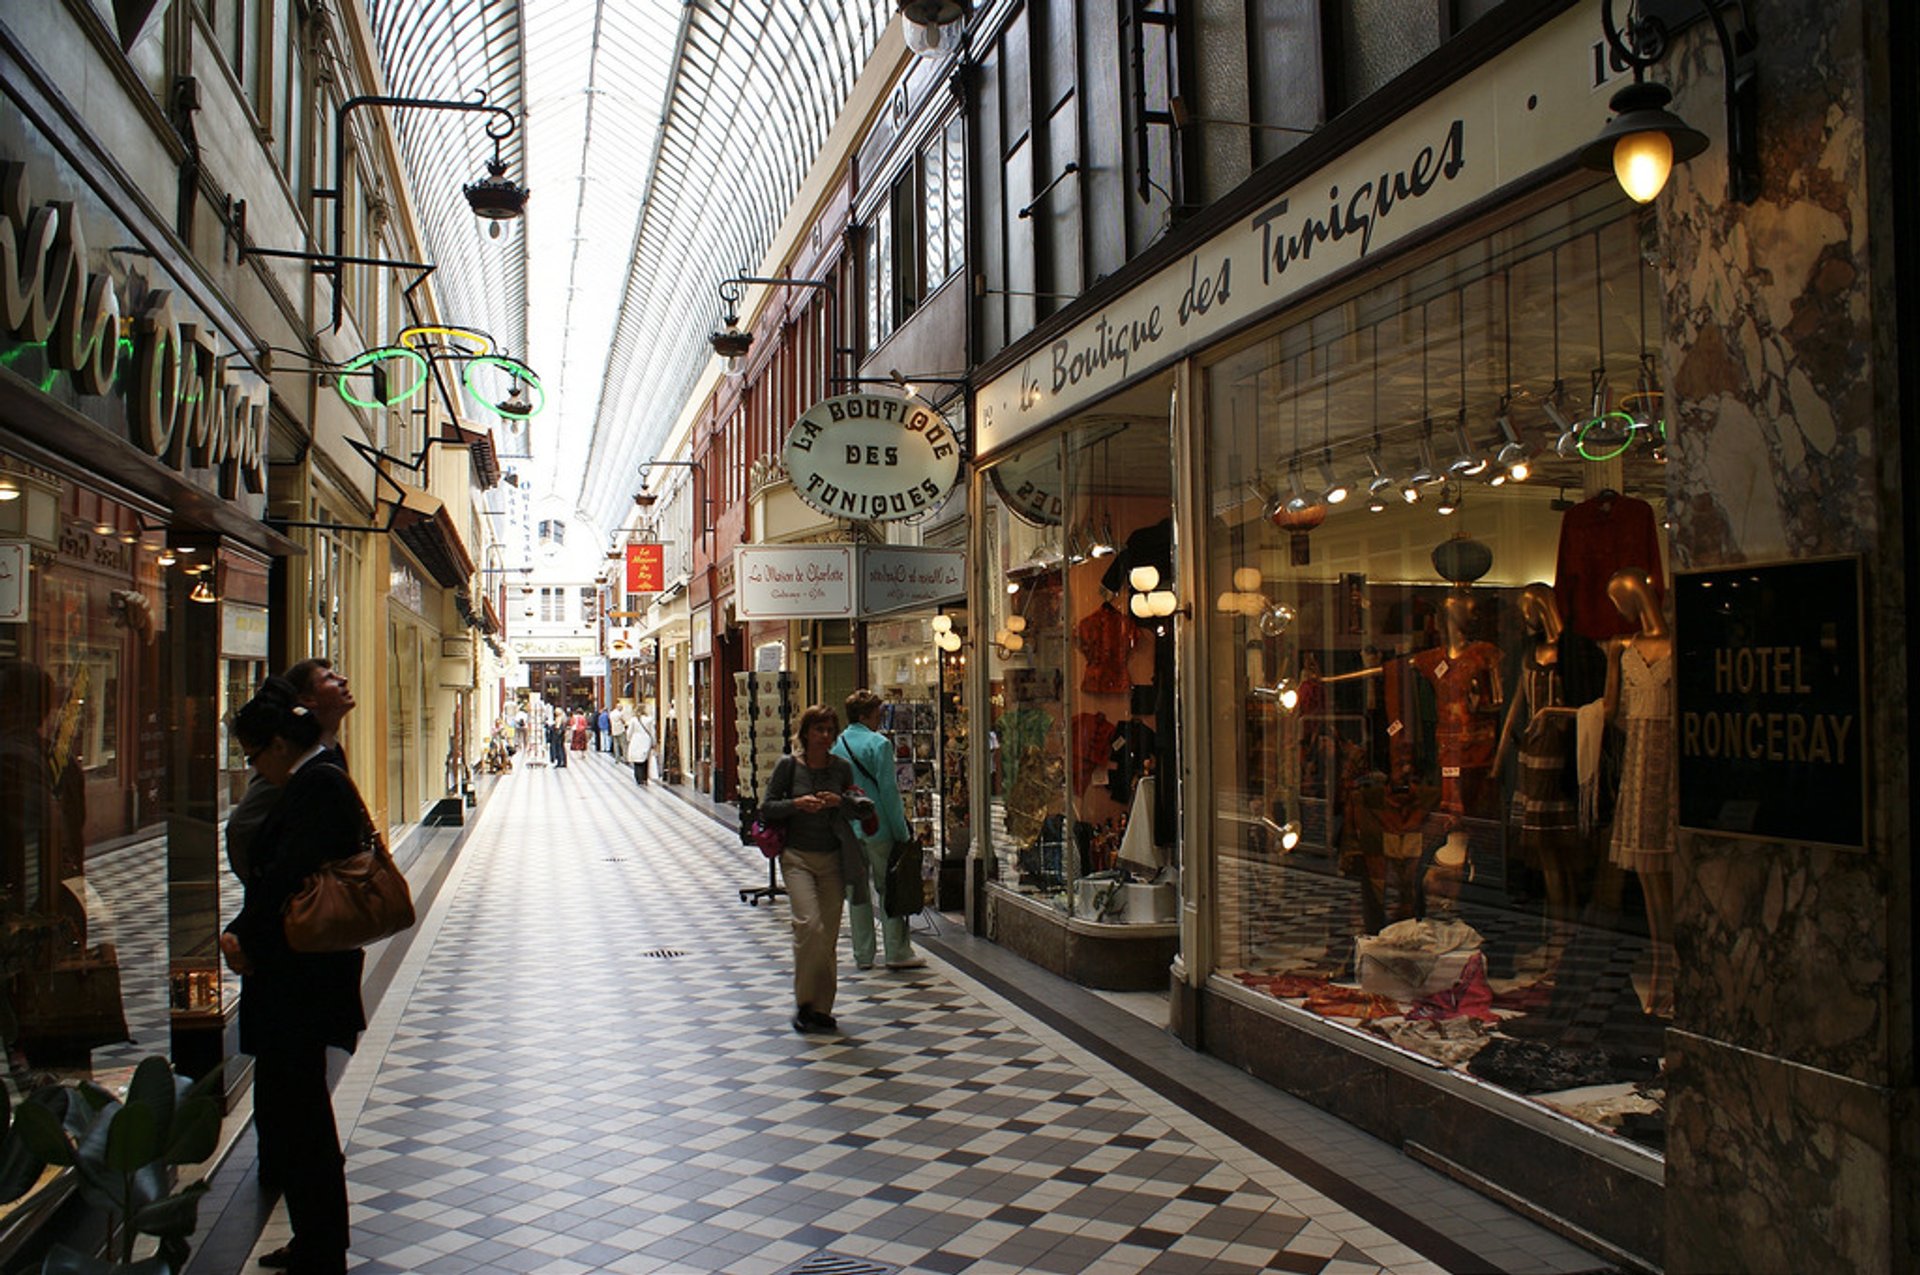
x: 874, y: 457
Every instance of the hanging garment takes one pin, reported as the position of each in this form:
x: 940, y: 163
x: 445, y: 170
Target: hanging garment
x: 1092, y: 747
x: 1466, y: 694
x: 1137, y: 848
x: 1549, y: 818
x: 1598, y: 537
x: 1105, y: 638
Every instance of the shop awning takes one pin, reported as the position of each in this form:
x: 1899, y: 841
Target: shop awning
x: 480, y: 617
x: 421, y: 523
x: 486, y: 458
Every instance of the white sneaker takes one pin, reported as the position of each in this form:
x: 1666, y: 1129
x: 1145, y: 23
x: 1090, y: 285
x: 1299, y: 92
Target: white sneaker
x: 911, y: 963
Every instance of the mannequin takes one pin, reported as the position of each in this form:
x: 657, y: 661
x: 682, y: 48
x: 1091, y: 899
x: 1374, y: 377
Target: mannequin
x: 1466, y: 682
x: 1640, y: 693
x: 1550, y: 838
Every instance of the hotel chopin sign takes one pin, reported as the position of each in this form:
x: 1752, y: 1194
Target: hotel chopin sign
x: 1769, y: 693
x: 872, y: 457
x: 187, y: 406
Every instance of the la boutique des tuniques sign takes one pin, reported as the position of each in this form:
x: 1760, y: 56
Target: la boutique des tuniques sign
x: 872, y: 457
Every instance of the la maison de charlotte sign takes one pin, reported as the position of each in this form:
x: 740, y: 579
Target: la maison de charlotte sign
x: 1507, y: 120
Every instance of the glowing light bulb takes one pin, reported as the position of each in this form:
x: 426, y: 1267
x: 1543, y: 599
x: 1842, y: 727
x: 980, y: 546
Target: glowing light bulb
x: 1642, y: 162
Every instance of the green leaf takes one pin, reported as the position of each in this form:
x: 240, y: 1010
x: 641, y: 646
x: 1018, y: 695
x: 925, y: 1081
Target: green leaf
x: 97, y: 1097
x: 195, y: 1133
x: 133, y: 1139
x: 39, y: 1129
x: 174, y: 1217
x: 152, y: 1086
x: 62, y: 1260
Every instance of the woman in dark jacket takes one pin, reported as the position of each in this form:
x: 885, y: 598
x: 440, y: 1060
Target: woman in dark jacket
x: 295, y: 1004
x: 808, y: 794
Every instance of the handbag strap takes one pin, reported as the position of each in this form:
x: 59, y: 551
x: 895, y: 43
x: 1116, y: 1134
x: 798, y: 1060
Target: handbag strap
x: 864, y: 772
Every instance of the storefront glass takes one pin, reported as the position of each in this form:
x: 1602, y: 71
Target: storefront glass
x: 83, y: 862
x: 905, y: 669
x: 1419, y: 831
x: 1078, y: 646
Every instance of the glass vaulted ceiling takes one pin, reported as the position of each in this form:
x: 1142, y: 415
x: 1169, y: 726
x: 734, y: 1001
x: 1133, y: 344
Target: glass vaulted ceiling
x: 663, y: 143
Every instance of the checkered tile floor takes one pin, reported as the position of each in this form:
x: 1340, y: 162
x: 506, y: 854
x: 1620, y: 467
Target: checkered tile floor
x: 584, y: 1064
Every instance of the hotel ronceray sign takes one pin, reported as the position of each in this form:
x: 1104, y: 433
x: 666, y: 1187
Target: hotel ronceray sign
x: 1507, y: 119
x: 646, y: 568
x: 1769, y: 695
x: 66, y: 317
x: 793, y: 582
x: 872, y: 457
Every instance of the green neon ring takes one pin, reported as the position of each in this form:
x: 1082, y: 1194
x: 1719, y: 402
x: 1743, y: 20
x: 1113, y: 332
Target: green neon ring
x: 1581, y: 445
x: 514, y: 368
x: 380, y: 354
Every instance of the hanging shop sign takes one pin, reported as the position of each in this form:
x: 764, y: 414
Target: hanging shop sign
x: 195, y: 410
x: 872, y: 457
x: 1030, y: 486
x: 243, y: 631
x: 700, y: 634
x: 14, y: 593
x: 593, y: 666
x: 646, y: 568
x: 794, y: 582
x: 1770, y: 693
x: 898, y: 578
x: 1511, y: 117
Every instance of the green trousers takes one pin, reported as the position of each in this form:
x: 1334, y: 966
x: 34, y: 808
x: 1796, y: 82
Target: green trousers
x: 860, y: 916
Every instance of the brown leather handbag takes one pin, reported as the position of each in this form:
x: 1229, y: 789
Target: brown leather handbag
x: 350, y: 902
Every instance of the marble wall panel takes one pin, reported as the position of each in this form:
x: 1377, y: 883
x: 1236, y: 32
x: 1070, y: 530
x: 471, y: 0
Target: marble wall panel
x: 1774, y: 1167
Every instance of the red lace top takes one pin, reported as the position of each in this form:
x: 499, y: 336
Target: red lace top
x: 1106, y: 639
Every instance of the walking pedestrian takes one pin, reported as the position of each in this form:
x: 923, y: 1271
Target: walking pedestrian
x: 598, y: 724
x: 577, y: 730
x: 617, y: 724
x: 640, y: 747
x: 557, y: 740
x: 294, y: 1005
x: 870, y: 753
x: 808, y: 793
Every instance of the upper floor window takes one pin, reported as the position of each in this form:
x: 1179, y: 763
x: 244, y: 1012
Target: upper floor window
x: 916, y: 237
x: 589, y: 604
x: 553, y: 605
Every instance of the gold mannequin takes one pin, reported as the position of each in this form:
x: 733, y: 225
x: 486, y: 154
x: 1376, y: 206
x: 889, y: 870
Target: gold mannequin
x: 1540, y: 612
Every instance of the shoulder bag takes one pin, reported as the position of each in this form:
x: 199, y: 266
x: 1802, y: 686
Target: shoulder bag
x: 350, y: 902
x: 769, y: 836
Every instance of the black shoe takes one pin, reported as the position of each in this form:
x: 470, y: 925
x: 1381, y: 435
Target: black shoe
x: 823, y: 1022
x: 802, y: 1022
x: 280, y: 1259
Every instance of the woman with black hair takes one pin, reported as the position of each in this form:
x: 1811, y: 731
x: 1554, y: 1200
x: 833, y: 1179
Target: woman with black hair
x: 295, y: 1004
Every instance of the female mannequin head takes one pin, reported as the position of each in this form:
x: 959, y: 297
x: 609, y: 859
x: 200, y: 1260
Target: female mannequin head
x: 1540, y: 611
x: 1631, y: 591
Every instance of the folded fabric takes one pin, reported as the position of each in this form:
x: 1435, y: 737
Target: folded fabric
x: 1468, y: 997
x: 1451, y: 1042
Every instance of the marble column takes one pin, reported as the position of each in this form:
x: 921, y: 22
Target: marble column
x: 1790, y: 1057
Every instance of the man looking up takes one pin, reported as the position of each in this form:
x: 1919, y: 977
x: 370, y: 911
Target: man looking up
x: 325, y: 694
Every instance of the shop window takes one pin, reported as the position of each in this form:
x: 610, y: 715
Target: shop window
x: 1423, y: 823
x: 553, y: 605
x: 1081, y: 727
x: 1375, y: 40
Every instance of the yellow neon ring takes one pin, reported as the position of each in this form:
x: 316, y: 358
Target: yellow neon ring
x: 479, y: 340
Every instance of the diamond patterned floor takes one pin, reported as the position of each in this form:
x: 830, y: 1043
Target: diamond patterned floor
x: 543, y: 1090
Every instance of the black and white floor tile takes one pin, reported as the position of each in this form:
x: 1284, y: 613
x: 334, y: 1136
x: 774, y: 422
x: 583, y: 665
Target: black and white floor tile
x: 584, y: 1063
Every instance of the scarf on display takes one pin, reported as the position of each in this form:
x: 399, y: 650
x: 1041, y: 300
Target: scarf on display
x: 1590, y: 729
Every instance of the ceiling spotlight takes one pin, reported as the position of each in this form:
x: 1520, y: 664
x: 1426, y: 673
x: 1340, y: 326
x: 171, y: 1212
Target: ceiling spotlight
x: 1284, y: 692
x: 1297, y: 502
x: 102, y: 528
x: 1335, y: 490
x: 1566, y: 443
x: 1469, y: 462
x: 1276, y: 620
x: 166, y: 558
x: 1428, y: 474
x: 202, y: 593
x: 1512, y: 459
x: 1449, y: 499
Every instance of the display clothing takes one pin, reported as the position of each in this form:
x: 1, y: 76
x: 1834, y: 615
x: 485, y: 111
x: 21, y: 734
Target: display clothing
x: 1022, y: 731
x: 1092, y: 747
x: 1133, y: 746
x: 1644, y: 812
x: 1466, y: 694
x: 1598, y: 537
x: 1549, y: 817
x: 1105, y: 638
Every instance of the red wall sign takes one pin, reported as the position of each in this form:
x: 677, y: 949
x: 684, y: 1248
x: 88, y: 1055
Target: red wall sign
x: 646, y: 568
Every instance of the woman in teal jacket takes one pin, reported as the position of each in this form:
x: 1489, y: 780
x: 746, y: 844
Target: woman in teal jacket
x: 871, y: 755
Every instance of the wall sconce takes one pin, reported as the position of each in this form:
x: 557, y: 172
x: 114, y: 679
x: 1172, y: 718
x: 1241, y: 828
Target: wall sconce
x: 943, y: 635
x: 9, y: 487
x: 1644, y: 140
x: 202, y: 591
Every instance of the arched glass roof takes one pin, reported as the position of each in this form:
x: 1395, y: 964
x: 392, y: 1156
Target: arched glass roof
x: 663, y: 143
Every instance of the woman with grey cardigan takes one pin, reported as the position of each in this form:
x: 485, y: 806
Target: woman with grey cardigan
x: 811, y: 792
